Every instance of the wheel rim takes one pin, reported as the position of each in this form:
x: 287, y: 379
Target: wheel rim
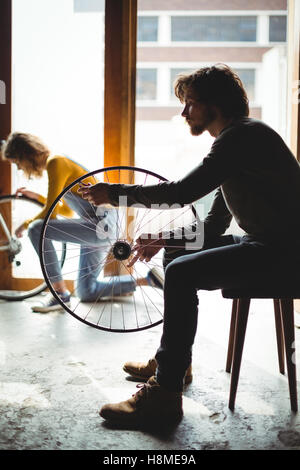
x: 116, y: 313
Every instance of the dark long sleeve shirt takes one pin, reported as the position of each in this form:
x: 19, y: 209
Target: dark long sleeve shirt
x: 258, y: 179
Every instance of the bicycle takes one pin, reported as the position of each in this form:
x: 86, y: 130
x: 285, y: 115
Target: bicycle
x: 144, y: 309
x: 18, y: 255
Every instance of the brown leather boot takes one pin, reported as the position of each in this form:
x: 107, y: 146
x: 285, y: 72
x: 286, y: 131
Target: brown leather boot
x: 151, y: 405
x: 143, y: 371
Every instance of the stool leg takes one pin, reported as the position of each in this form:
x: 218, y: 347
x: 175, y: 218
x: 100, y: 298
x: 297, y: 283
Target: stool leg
x: 231, y: 334
x: 279, y: 335
x: 287, y: 316
x: 239, y: 338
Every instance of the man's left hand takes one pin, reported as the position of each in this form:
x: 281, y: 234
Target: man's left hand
x: 95, y: 194
x: 146, y: 246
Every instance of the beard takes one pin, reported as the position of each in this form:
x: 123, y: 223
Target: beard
x: 208, y: 118
x: 197, y: 130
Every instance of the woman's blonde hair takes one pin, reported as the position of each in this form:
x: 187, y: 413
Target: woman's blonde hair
x: 28, y: 150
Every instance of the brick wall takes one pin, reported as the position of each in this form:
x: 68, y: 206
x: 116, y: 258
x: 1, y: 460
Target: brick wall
x: 165, y: 113
x: 201, y: 54
x: 212, y: 5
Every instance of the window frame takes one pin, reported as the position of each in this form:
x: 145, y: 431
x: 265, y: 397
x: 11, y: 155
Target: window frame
x: 164, y: 95
x: 148, y: 101
x: 119, y: 95
x: 120, y: 101
x: 5, y: 118
x: 140, y: 41
x: 164, y: 22
x: 200, y: 41
x: 269, y: 29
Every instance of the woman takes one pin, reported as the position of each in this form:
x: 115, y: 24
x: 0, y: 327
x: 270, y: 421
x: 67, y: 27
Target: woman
x: 32, y: 156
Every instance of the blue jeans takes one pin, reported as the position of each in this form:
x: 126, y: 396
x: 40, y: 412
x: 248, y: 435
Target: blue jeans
x: 225, y: 262
x: 89, y: 231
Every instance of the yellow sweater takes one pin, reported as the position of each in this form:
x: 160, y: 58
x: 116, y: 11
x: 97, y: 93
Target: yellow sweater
x: 61, y: 172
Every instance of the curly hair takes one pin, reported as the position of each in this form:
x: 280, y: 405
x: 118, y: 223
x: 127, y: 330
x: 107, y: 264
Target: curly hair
x: 28, y: 150
x: 218, y: 85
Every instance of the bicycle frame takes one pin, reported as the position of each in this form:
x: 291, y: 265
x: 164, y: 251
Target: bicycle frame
x: 7, y: 233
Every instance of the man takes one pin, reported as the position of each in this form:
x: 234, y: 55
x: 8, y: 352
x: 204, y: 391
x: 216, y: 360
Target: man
x: 258, y: 183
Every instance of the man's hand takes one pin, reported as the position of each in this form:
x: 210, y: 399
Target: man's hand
x: 95, y: 194
x: 146, y: 247
x: 26, y: 192
x: 19, y: 231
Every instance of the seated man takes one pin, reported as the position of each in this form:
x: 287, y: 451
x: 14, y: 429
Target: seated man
x: 258, y: 181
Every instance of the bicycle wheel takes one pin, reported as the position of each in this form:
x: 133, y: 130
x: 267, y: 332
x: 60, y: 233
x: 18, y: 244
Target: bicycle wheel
x: 23, y: 275
x: 115, y: 313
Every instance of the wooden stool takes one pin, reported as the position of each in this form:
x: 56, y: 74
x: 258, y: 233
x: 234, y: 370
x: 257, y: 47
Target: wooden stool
x: 285, y: 333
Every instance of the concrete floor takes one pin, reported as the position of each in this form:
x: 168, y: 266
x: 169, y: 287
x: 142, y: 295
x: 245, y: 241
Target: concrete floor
x: 56, y: 372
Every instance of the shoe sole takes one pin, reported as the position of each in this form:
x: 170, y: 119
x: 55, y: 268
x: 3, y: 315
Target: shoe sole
x: 187, y: 380
x: 49, y: 309
x: 136, y: 376
x: 141, y: 422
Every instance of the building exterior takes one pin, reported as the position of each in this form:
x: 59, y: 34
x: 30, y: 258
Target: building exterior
x: 179, y: 36
x: 176, y: 36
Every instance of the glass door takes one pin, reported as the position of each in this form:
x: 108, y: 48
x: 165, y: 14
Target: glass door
x: 58, y: 85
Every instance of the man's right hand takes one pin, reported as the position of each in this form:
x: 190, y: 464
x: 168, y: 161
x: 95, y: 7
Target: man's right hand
x: 145, y: 248
x: 96, y: 194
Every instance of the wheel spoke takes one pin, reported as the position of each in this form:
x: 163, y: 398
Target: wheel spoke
x: 81, y: 241
x: 88, y: 218
x: 144, y: 308
x: 145, y: 293
x: 71, y: 257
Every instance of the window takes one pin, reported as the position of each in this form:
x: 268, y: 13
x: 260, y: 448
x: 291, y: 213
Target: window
x: 246, y: 75
x: 147, y: 28
x: 163, y: 142
x: 146, y: 84
x: 277, y: 29
x: 69, y: 117
x: 173, y: 75
x: 84, y: 6
x: 248, y: 78
x: 213, y: 28
x: 2, y: 92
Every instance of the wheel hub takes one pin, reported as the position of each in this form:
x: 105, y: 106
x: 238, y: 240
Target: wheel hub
x: 121, y: 250
x: 15, y: 246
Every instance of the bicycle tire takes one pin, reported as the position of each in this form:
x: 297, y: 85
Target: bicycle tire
x: 15, y: 295
x: 144, y: 321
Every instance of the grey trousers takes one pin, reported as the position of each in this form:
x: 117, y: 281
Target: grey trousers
x: 94, y: 231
